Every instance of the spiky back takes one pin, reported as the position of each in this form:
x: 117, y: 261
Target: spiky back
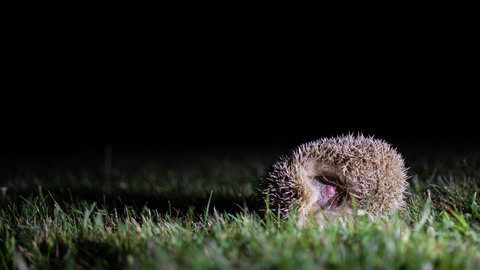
x: 368, y: 169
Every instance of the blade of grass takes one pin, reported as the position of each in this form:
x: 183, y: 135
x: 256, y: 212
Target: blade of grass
x: 423, y: 220
x: 475, y: 206
x: 86, y: 216
x: 206, y: 211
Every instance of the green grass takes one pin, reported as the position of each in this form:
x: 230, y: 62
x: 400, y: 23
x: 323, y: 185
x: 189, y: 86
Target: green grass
x: 199, y: 213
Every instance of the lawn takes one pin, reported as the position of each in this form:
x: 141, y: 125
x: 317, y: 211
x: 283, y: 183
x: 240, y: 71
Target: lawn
x: 197, y: 211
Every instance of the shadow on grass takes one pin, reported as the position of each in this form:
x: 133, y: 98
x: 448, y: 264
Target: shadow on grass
x: 173, y: 203
x: 169, y: 183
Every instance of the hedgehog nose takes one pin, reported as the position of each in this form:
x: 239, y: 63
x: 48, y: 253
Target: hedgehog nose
x: 330, y: 191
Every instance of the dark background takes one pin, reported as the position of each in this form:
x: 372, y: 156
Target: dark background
x: 176, y: 123
x: 75, y: 88
x: 137, y: 112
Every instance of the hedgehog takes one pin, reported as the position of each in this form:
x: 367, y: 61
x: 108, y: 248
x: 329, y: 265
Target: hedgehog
x: 335, y: 177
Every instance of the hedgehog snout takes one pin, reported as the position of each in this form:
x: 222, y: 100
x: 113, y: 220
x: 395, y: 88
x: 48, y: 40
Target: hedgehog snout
x: 332, y: 196
x: 330, y: 191
x: 326, y: 193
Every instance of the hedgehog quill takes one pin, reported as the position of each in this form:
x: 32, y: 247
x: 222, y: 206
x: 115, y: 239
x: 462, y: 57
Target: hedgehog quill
x: 331, y: 177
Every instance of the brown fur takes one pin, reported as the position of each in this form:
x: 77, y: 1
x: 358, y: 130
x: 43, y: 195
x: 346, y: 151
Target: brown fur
x: 362, y: 168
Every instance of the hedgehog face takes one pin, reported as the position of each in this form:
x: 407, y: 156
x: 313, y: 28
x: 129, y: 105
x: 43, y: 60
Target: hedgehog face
x: 326, y: 193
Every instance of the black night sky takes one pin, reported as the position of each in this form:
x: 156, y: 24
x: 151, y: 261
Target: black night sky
x: 179, y: 99
x: 195, y: 87
x: 182, y: 122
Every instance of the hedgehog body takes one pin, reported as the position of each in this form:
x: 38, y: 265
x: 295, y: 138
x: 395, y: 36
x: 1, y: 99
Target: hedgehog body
x: 332, y: 176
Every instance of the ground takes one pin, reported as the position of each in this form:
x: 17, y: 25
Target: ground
x: 195, y: 209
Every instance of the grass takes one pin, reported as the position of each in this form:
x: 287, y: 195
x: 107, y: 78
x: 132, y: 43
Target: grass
x: 199, y: 213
